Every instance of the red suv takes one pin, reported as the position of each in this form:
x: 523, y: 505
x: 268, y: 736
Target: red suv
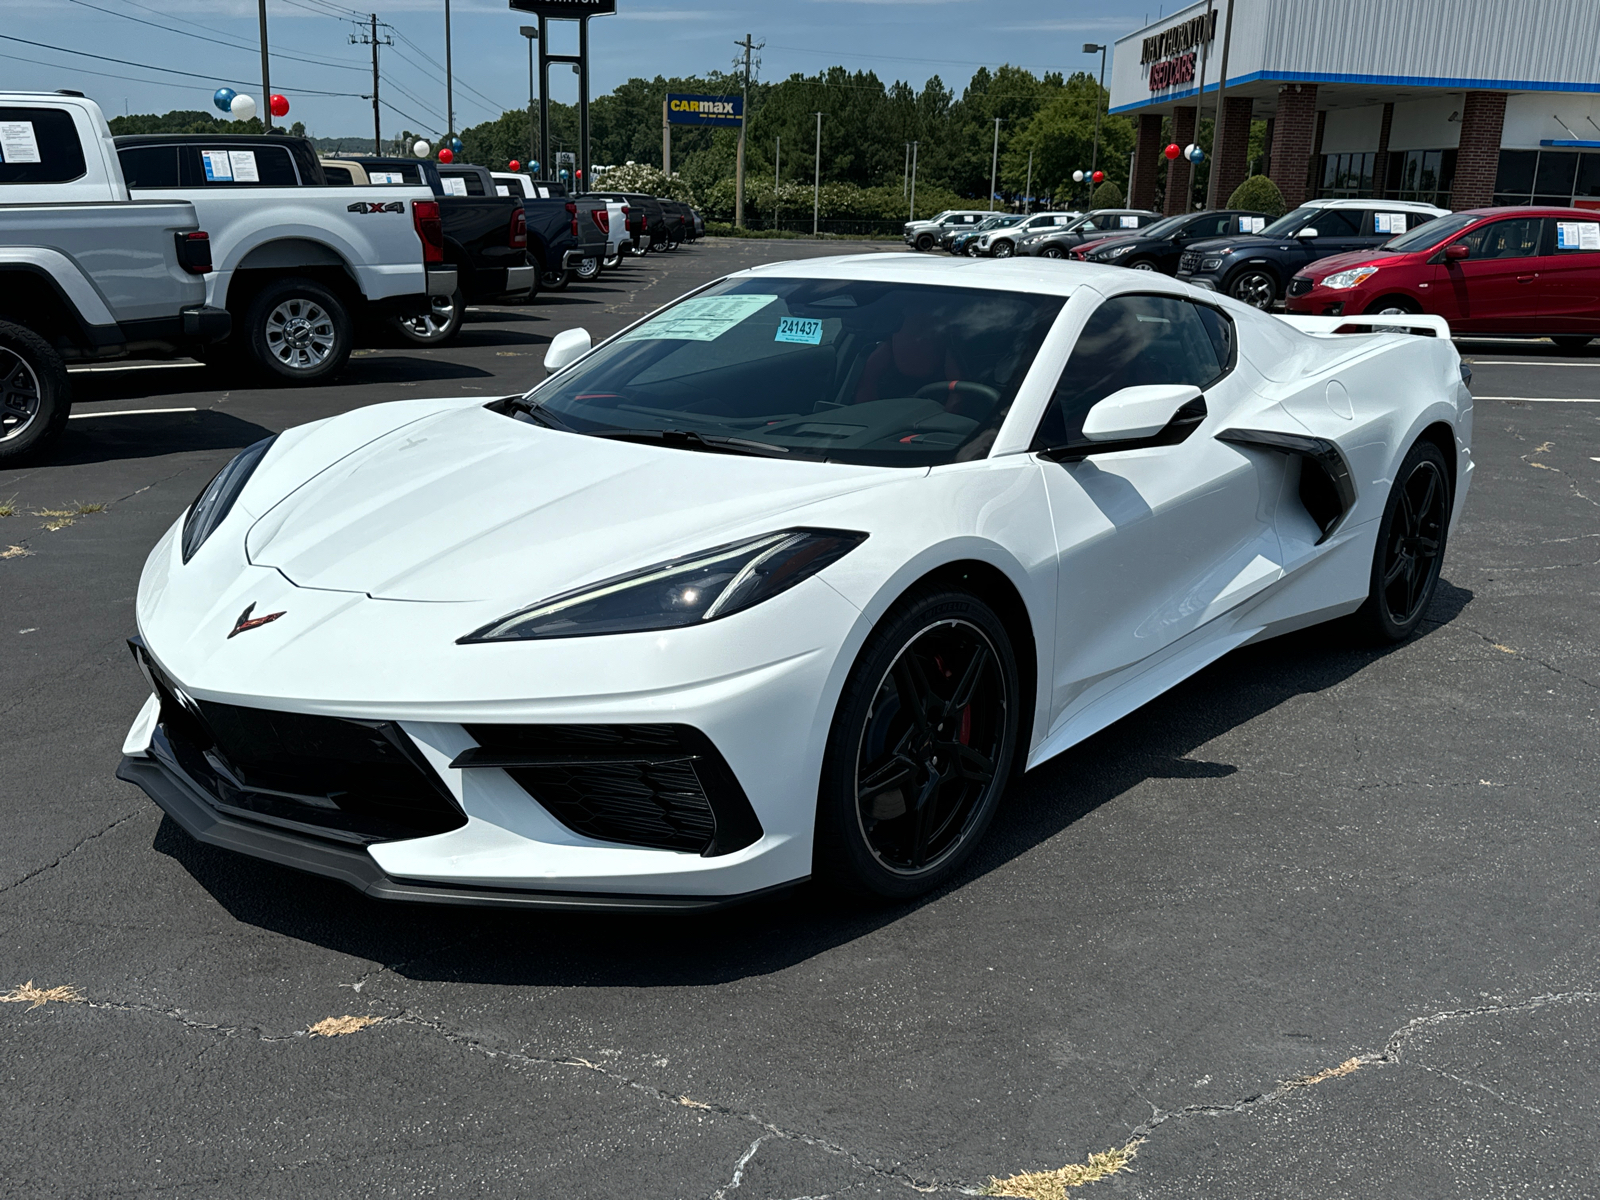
x: 1525, y: 272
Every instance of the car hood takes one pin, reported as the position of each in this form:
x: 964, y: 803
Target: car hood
x: 1246, y: 242
x: 469, y: 505
x: 1095, y: 243
x: 1350, y: 258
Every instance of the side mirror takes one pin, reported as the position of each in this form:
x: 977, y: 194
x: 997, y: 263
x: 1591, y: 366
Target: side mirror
x: 1457, y: 251
x: 1137, y: 412
x: 566, y: 348
x: 1309, y: 231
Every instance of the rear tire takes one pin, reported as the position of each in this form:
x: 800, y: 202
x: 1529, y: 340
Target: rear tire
x: 554, y: 281
x: 1410, y: 549
x: 588, y: 270
x: 35, y: 395
x: 438, y: 325
x: 612, y: 261
x: 298, y: 332
x: 908, y: 788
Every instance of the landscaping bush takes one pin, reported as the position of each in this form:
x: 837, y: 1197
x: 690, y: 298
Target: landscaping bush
x: 1259, y: 194
x: 1107, y: 195
x: 642, y: 177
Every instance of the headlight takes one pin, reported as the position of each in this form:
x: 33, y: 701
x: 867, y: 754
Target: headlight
x: 1349, y: 279
x: 685, y: 591
x: 1210, y: 264
x: 1116, y: 251
x: 216, y: 499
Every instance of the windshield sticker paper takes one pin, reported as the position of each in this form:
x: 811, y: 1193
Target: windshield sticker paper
x: 1588, y: 236
x: 1128, y: 222
x: 803, y: 331
x: 1388, y: 222
x: 1577, y: 235
x: 219, y: 169
x: 455, y: 186
x: 386, y: 177
x: 243, y: 163
x: 703, y: 319
x: 17, y: 142
x: 1252, y: 224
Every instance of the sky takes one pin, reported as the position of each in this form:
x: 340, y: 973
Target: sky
x: 215, y: 42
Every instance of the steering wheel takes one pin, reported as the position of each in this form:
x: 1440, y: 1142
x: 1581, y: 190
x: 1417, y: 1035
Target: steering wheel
x: 962, y: 397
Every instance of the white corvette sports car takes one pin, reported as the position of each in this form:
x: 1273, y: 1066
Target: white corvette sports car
x: 788, y: 579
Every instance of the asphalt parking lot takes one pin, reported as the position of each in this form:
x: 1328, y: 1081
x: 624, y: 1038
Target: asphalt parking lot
x: 1320, y: 923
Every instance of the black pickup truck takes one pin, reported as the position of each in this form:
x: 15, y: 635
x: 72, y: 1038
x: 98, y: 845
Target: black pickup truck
x: 485, y: 239
x: 567, y: 235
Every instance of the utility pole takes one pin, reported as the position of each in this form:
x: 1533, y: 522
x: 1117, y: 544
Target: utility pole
x: 449, y: 79
x: 994, y: 162
x: 1218, y: 126
x: 1094, y: 156
x: 816, y: 186
x: 266, y: 73
x: 369, y: 37
x: 749, y: 45
x: 905, y: 180
x: 1027, y: 192
x: 666, y: 140
x: 777, y: 179
x: 531, y: 32
x: 913, y: 215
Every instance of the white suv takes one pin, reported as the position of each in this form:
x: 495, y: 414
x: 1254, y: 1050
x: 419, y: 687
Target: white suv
x: 922, y: 235
x: 1002, y: 243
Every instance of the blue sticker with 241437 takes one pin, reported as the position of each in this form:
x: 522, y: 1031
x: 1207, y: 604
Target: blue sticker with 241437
x: 807, y: 331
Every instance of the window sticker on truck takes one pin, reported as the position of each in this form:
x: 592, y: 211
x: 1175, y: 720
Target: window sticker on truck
x: 218, y: 168
x: 244, y: 166
x: 386, y: 177
x: 454, y: 186
x: 18, y: 143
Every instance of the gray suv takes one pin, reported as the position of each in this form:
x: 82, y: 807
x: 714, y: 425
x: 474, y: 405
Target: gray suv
x: 1098, y: 223
x: 923, y: 235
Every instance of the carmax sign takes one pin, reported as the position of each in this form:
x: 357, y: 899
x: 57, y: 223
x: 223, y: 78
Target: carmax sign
x: 704, y: 110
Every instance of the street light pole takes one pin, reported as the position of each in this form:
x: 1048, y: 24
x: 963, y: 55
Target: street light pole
x: 777, y: 179
x: 913, y: 215
x: 994, y: 162
x: 531, y: 32
x: 905, y: 179
x: 266, y: 74
x: 816, y: 184
x: 1027, y: 192
x: 449, y: 79
x: 1094, y: 157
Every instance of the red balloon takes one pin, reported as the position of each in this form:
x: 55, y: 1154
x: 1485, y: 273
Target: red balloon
x: 514, y: 165
x: 447, y: 155
x: 1173, y: 151
x: 279, y: 105
x: 1099, y: 176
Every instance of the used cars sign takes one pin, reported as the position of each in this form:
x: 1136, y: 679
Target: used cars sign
x: 704, y: 110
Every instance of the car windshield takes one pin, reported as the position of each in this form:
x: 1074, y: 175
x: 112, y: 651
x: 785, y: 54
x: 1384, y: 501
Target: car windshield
x: 887, y: 374
x: 997, y: 223
x: 1291, y: 222
x: 1425, y: 237
x: 1166, y: 225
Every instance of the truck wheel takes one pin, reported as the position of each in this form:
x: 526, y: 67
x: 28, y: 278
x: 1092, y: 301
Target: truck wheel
x: 438, y: 325
x: 640, y: 247
x: 298, y: 332
x: 554, y: 280
x: 588, y: 270
x: 659, y: 242
x: 612, y: 261
x: 35, y: 395
x: 925, y: 241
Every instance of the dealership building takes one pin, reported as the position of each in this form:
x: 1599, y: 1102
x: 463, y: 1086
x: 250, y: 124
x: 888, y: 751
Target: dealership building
x: 1462, y: 103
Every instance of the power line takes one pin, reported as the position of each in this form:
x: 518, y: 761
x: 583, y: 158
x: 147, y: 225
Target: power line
x: 316, y: 62
x: 493, y: 104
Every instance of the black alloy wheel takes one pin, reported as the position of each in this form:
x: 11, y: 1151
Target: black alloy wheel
x: 1255, y: 287
x: 1052, y: 252
x: 438, y: 325
x: 925, y: 241
x: 35, y: 395
x: 660, y: 243
x: 1410, y: 549
x: 640, y: 246
x: 554, y: 280
x: 921, y: 748
x: 612, y: 261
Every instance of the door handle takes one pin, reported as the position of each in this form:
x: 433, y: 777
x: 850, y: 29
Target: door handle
x: 1527, y: 278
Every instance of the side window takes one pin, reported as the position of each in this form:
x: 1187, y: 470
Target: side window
x: 1516, y: 238
x: 1131, y: 341
x: 1340, y: 222
x: 339, y: 176
x: 149, y: 166
x: 39, y: 145
x: 234, y: 166
x: 1569, y: 236
x: 513, y: 187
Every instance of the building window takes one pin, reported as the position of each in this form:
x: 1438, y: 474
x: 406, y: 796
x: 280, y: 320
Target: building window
x: 1557, y: 178
x: 1347, y: 174
x: 1425, y: 175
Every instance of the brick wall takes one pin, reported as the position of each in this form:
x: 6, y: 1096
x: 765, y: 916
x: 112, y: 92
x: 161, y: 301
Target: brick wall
x: 1233, y: 163
x: 1266, y: 148
x: 1147, y: 162
x: 1180, y: 172
x: 1478, y: 158
x: 1294, y: 135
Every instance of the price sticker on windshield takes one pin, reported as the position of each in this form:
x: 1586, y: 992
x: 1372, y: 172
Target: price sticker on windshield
x: 803, y: 331
x: 701, y: 319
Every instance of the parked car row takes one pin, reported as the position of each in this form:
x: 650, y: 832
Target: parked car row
x: 251, y: 249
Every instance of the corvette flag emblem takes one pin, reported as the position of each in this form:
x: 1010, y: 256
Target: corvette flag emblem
x: 247, y: 622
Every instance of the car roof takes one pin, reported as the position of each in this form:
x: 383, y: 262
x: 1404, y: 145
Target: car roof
x: 1531, y: 210
x: 1048, y: 277
x: 1392, y: 205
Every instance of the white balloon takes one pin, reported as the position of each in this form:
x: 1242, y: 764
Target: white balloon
x: 422, y: 149
x: 1188, y: 151
x: 1077, y: 177
x: 242, y: 108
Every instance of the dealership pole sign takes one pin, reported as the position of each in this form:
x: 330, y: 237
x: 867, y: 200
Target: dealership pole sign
x: 1170, y: 54
x: 705, y: 110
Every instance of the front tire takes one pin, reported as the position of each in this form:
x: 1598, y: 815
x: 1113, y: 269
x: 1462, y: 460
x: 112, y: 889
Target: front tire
x: 1394, y: 306
x: 921, y: 748
x: 298, y: 332
x: 438, y: 325
x: 925, y: 241
x: 35, y: 395
x: 1141, y: 264
x: 1001, y: 249
x: 1410, y: 550
x: 1052, y: 252
x: 1255, y: 287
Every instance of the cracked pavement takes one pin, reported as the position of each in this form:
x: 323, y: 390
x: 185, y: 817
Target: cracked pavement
x: 1318, y: 924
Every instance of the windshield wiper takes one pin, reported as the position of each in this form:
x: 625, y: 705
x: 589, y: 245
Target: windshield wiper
x: 533, y: 412
x: 689, y: 439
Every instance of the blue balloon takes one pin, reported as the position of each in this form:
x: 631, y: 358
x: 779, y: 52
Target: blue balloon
x: 455, y: 144
x: 1197, y: 155
x: 533, y: 166
x: 224, y: 98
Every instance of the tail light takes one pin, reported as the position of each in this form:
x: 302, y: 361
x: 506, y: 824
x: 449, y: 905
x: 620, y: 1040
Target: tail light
x: 602, y: 218
x: 519, y: 229
x: 572, y: 211
x: 430, y: 228
x: 194, y: 252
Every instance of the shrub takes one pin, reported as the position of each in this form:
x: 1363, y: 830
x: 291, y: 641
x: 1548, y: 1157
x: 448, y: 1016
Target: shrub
x: 1107, y: 195
x: 642, y: 177
x: 1258, y: 194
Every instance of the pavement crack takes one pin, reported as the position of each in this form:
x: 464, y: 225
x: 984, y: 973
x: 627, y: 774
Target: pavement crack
x: 1473, y: 1083
x: 738, y: 1168
x: 68, y: 853
x: 1549, y: 666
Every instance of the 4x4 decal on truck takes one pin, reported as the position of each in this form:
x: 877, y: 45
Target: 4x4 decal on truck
x: 374, y: 206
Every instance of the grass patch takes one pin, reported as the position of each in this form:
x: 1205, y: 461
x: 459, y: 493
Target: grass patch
x: 338, y: 1026
x: 33, y: 997
x: 1053, y: 1185
x: 9, y: 508
x: 15, y: 552
x: 60, y: 518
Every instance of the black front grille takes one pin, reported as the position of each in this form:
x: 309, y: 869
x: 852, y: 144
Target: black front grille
x: 1299, y: 285
x: 333, y: 777
x: 1189, y: 262
x: 662, y: 786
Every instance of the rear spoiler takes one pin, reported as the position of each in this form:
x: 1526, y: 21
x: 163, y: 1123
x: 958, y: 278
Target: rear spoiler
x: 1419, y: 324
